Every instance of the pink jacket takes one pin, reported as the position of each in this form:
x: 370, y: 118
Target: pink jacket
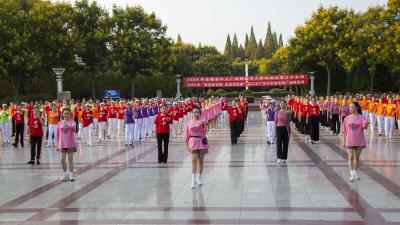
x: 66, y: 137
x: 194, y: 132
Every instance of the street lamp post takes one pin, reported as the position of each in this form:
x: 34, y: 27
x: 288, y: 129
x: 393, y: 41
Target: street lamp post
x: 312, y: 78
x: 178, y: 86
x: 59, y: 78
x: 247, y: 61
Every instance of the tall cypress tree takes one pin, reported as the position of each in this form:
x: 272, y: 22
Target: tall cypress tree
x: 260, y: 50
x: 228, y: 48
x: 235, y: 47
x: 252, y: 47
x: 280, y: 40
x: 268, y: 43
x: 275, y: 43
x: 246, y: 45
x: 241, y: 52
x: 179, y: 40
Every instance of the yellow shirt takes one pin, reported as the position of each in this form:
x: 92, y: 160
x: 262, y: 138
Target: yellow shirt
x: 380, y: 109
x: 390, y: 110
x: 372, y: 107
x: 53, y: 118
x: 364, y: 104
x: 398, y: 112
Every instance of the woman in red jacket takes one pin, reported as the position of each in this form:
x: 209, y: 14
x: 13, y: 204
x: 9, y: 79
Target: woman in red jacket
x: 35, y: 124
x: 162, y: 122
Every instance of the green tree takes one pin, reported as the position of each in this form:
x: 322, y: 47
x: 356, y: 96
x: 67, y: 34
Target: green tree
x: 92, y: 36
x: 317, y: 40
x: 391, y: 51
x: 139, y: 44
x: 268, y: 42
x: 251, y: 48
x: 362, y: 43
x: 277, y: 64
x: 235, y: 47
x: 259, y: 51
x: 280, y: 41
x: 228, y: 48
x: 179, y: 40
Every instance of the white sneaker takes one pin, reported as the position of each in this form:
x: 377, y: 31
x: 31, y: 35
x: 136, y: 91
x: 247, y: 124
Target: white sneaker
x: 199, y: 180
x: 355, y: 175
x: 65, y: 177
x: 279, y: 162
x: 193, y: 185
x: 71, y: 177
x: 284, y: 161
x: 352, y: 178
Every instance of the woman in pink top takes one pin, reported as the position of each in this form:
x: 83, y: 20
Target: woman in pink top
x: 196, y: 141
x: 66, y: 144
x: 354, y: 138
x: 282, y: 126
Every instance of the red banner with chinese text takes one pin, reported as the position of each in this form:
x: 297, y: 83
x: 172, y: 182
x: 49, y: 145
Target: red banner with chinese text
x: 243, y: 81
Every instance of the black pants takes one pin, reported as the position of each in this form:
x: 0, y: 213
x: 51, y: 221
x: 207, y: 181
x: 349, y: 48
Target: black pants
x: 77, y: 124
x: 162, y: 155
x: 36, y: 147
x: 234, y: 131
x: 324, y: 121
x: 335, y: 124
x: 19, y: 133
x: 241, y: 127
x: 303, y: 126
x: 13, y: 127
x: 282, y: 142
x: 313, y: 124
x: 297, y: 123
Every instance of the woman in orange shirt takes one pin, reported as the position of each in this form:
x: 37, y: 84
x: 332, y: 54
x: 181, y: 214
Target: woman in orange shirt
x: 364, y: 103
x: 390, y: 110
x: 53, y: 119
x: 398, y: 114
x: 380, y: 116
x: 372, y: 113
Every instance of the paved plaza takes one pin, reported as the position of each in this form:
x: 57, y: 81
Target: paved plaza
x: 242, y: 184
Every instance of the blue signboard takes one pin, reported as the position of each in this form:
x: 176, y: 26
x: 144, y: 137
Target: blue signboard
x: 112, y: 93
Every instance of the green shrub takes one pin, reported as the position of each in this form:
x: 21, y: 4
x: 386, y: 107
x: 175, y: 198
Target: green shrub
x: 246, y: 92
x: 250, y: 99
x: 277, y: 90
x: 210, y: 92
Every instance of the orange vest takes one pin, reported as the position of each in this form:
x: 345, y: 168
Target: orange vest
x: 390, y: 110
x: 380, y: 109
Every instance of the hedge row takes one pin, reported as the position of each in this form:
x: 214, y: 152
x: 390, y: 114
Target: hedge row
x: 275, y: 92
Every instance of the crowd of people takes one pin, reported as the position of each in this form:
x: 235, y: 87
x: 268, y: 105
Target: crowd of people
x: 347, y: 116
x: 64, y: 125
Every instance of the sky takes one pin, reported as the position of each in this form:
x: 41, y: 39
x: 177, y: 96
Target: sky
x: 210, y: 21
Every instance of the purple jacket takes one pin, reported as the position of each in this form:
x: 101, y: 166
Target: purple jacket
x: 144, y: 112
x: 137, y: 113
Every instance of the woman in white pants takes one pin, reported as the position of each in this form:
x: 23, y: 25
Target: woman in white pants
x: 53, y: 119
x: 112, y: 120
x: 390, y: 110
x: 380, y: 118
x: 270, y: 118
x: 87, y: 122
x: 129, y: 125
x: 121, y: 119
x: 102, y: 122
x: 5, y: 124
x: 372, y: 114
x: 137, y: 115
